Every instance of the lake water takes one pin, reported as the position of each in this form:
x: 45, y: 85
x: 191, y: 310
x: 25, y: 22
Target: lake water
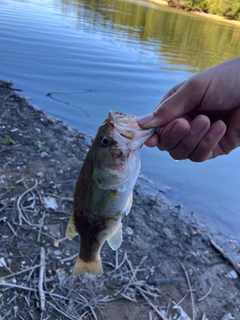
x: 92, y: 55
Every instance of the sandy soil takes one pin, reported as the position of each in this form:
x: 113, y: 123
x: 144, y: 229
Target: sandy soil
x: 168, y: 267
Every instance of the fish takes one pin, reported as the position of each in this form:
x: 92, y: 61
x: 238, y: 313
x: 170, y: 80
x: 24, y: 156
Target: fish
x: 104, y: 189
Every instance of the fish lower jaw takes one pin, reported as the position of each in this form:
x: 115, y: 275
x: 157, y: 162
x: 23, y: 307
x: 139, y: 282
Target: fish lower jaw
x: 91, y: 267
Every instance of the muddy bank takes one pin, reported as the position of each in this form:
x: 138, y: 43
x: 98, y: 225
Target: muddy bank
x: 167, y: 265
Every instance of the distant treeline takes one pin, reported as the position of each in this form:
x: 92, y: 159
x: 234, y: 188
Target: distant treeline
x: 226, y: 8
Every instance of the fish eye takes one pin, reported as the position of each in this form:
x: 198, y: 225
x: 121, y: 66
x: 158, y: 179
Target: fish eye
x: 105, y: 141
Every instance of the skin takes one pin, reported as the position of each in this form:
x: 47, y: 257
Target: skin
x: 199, y: 119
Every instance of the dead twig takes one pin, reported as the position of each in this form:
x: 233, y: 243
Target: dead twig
x: 20, y: 214
x: 153, y: 306
x: 30, y: 314
x: 190, y: 290
x: 134, y: 272
x: 183, y: 298
x: 128, y: 297
x: 207, y: 294
x: 20, y: 287
x: 140, y: 290
x: 70, y: 258
x: 88, y: 304
x: 156, y: 282
x: 17, y: 273
x: 40, y: 283
x: 168, y: 307
x: 13, y: 231
x: 40, y: 227
x: 225, y: 256
x: 63, y: 313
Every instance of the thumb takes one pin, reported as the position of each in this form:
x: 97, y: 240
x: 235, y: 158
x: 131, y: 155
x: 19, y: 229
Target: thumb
x: 174, y: 106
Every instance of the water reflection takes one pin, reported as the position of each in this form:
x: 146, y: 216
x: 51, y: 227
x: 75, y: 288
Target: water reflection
x: 178, y: 36
x: 80, y: 58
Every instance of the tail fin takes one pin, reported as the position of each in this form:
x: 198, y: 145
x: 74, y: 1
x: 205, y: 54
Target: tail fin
x: 82, y: 267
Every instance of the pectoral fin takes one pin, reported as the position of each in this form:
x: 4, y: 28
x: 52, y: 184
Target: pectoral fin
x: 71, y: 231
x: 128, y: 204
x: 116, y: 238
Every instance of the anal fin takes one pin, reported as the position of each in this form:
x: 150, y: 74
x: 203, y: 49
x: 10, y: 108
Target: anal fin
x: 71, y: 231
x: 116, y: 238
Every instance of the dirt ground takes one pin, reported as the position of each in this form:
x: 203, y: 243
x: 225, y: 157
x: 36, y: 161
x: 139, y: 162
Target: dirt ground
x: 169, y: 265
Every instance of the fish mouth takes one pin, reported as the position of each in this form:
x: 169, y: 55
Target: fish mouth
x: 126, y: 126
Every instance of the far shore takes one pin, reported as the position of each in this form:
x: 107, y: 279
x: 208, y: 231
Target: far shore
x: 200, y: 13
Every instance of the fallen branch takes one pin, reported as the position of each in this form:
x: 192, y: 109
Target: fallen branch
x: 225, y: 256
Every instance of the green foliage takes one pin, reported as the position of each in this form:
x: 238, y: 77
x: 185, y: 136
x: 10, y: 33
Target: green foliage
x: 197, y: 5
x: 8, y: 141
x: 39, y: 144
x: 234, y: 11
x: 226, y: 8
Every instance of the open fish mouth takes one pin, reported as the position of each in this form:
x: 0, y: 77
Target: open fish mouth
x: 126, y: 125
x: 125, y: 120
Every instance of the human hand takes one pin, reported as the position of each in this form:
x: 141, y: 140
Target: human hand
x: 199, y: 119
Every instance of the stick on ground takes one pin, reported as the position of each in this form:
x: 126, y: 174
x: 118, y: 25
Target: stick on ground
x: 40, y: 283
x: 190, y: 290
x: 225, y: 256
x: 20, y: 215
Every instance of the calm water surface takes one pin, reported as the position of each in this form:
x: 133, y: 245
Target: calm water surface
x: 91, y: 56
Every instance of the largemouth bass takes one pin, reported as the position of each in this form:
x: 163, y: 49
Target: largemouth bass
x: 104, y: 189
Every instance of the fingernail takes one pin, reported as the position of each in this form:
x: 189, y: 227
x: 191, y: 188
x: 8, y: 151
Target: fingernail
x: 145, y: 119
x: 197, y: 126
x: 178, y: 129
x: 217, y: 129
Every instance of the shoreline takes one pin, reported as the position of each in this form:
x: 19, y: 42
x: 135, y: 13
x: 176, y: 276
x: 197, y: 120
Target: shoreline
x: 39, y: 165
x: 199, y: 13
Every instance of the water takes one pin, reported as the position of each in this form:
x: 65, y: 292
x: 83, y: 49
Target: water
x: 77, y: 59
